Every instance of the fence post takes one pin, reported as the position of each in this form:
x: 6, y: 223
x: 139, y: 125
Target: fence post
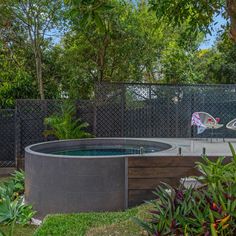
x: 18, y: 157
x: 192, y: 105
x: 177, y: 119
x: 95, y: 102
x: 123, y: 109
x: 150, y: 112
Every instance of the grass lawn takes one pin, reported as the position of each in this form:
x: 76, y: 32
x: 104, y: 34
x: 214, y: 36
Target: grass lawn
x: 86, y: 224
x: 91, y: 224
x: 20, y: 230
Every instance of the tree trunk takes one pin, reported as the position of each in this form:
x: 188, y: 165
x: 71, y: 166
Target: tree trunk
x: 102, y: 56
x: 231, y: 10
x: 38, y: 62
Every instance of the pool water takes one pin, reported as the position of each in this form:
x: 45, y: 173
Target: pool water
x: 106, y: 151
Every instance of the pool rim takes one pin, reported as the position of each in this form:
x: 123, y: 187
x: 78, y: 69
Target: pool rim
x: 29, y: 150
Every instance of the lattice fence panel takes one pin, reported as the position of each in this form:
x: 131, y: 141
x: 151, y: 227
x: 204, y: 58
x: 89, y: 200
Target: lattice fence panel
x: 85, y: 111
x: 31, y: 115
x: 160, y: 112
x: 219, y: 101
x: 184, y: 109
x: 127, y: 110
x: 109, y: 111
x: 7, y: 138
x: 152, y: 110
x: 137, y: 122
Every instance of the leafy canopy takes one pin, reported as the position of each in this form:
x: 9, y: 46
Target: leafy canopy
x: 199, y: 14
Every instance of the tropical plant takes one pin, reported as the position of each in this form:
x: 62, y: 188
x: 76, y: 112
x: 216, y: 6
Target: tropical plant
x: 14, y: 187
x: 12, y: 207
x: 65, y: 125
x: 169, y: 210
x: 191, y: 212
x: 18, y: 178
x: 216, y: 172
x: 15, y: 210
x: 209, y: 210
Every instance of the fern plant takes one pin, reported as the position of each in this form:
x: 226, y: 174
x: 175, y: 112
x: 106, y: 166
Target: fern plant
x: 65, y: 126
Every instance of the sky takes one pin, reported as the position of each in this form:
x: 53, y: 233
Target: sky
x: 210, y: 39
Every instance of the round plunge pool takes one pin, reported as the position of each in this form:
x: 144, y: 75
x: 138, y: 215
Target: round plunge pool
x: 69, y: 176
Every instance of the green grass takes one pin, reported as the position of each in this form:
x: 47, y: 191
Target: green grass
x: 19, y: 230
x: 123, y: 228
x: 92, y: 224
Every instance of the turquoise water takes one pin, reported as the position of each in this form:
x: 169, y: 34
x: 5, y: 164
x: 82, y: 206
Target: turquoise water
x: 105, y: 151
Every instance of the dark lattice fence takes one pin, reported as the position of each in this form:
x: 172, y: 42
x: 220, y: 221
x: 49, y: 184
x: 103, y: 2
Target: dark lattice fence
x: 31, y: 115
x: 7, y: 138
x: 122, y: 110
x: 151, y: 110
x: 85, y: 111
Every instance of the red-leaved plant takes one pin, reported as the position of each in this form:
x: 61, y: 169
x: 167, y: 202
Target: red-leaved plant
x: 206, y: 211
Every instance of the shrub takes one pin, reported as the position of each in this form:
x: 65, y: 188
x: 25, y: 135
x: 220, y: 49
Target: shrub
x: 210, y: 210
x: 15, y: 211
x: 65, y: 126
x: 14, y: 187
x: 12, y: 207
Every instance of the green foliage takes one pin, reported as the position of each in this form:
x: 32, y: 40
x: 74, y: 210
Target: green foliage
x: 13, y: 187
x: 217, y: 173
x: 18, y: 178
x: 15, y: 79
x: 89, y: 12
x: 210, y: 210
x: 198, y: 14
x: 65, y: 126
x: 225, y: 62
x: 13, y: 210
x: 191, y: 212
x: 179, y: 66
x: 108, y: 40
x: 24, y: 43
x: 78, y: 224
x: 13, y: 228
x: 131, y: 49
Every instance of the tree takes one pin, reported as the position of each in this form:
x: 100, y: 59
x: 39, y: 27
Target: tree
x: 199, y: 14
x: 95, y: 15
x: 219, y: 63
x: 15, y: 71
x: 36, y: 19
x: 227, y: 70
x: 129, y: 49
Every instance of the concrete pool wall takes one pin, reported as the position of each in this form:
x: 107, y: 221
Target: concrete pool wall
x: 136, y: 177
x: 66, y: 184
